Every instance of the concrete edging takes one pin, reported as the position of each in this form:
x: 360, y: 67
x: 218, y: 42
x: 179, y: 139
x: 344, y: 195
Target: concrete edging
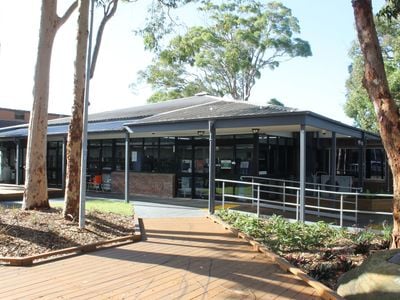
x: 63, y: 253
x: 323, y: 291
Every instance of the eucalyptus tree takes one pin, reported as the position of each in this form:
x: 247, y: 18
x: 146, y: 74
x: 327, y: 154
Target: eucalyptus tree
x: 376, y: 83
x: 35, y: 191
x: 227, y: 56
x: 358, y: 105
x: 74, y: 140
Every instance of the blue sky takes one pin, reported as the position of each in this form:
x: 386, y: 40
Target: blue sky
x: 316, y: 83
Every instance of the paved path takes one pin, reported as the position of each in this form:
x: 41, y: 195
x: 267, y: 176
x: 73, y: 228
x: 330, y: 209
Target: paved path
x: 181, y: 258
x: 174, y: 209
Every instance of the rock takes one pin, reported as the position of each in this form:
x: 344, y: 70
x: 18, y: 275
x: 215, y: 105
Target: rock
x: 376, y: 278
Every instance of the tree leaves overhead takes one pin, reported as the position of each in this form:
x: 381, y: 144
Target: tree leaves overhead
x: 358, y: 105
x: 227, y: 56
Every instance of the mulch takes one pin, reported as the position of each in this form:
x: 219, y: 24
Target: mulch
x: 25, y: 233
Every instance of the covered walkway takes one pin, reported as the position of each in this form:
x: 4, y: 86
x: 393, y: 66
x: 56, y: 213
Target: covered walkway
x: 180, y: 258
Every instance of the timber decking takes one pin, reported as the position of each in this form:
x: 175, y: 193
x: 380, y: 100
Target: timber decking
x: 181, y: 258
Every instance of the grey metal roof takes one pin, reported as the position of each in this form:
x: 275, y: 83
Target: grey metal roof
x: 186, y: 111
x: 62, y: 129
x: 219, y: 108
x: 143, y: 111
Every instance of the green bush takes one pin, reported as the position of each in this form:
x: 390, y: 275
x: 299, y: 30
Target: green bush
x: 278, y: 233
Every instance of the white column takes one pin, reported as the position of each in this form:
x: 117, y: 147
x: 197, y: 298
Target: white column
x: 302, y: 172
x: 211, y: 168
x: 127, y: 167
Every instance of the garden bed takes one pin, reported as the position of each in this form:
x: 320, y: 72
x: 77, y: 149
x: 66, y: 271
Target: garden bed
x: 323, y: 252
x: 29, y: 233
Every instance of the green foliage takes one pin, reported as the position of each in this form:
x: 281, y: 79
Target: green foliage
x: 274, y: 101
x: 391, y: 10
x: 282, y: 236
x: 226, y: 57
x: 358, y: 105
x: 279, y: 234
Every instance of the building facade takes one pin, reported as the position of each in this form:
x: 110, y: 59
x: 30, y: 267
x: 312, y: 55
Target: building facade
x: 163, y: 149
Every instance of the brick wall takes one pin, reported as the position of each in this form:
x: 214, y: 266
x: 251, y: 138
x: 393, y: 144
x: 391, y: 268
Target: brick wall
x: 10, y: 114
x: 149, y: 184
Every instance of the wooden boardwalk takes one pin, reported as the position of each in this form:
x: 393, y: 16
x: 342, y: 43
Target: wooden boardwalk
x: 181, y: 258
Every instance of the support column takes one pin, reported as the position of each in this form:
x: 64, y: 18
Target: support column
x: 127, y: 167
x: 333, y: 159
x: 256, y: 154
x: 302, y: 172
x: 211, y: 168
x: 63, y: 162
x: 17, y: 161
x: 363, y: 159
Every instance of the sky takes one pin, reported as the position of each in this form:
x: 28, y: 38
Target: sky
x: 316, y: 83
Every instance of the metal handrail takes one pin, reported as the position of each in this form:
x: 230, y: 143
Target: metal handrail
x: 357, y: 189
x: 256, y: 190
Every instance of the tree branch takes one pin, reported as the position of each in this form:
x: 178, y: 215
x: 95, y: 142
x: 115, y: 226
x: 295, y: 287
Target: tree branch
x: 108, y: 14
x: 67, y: 14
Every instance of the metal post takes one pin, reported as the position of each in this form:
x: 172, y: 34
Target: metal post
x: 341, y: 210
x: 211, y: 166
x: 252, y: 191
x: 127, y: 167
x: 256, y: 154
x: 333, y: 159
x: 82, y: 195
x: 319, y: 198
x: 297, y: 204
x: 63, y: 161
x: 284, y: 196
x: 302, y: 171
x: 356, y: 207
x: 258, y: 201
x: 17, y: 161
x: 223, y: 194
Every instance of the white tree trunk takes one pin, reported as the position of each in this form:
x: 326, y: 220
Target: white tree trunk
x: 35, y: 192
x: 74, y: 142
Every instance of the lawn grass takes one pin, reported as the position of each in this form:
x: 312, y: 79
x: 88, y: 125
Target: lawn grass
x: 106, y: 206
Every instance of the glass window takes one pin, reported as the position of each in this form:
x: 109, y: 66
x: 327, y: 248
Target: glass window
x: 136, y: 158
x: 167, y: 141
x: 201, y: 159
x: 94, y: 155
x: 184, y: 186
x: 244, y: 159
x: 347, y: 161
x: 107, y: 157
x: 19, y: 115
x: 201, y: 187
x: 225, y: 161
x: 136, y: 142
x: 375, y: 164
x: 166, y: 163
x: 150, y: 158
x: 119, y: 154
x: 184, y: 154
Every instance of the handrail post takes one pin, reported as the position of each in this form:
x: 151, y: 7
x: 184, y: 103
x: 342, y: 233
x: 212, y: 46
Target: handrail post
x: 252, y: 191
x: 297, y: 204
x: 284, y: 196
x: 223, y: 194
x: 258, y: 201
x: 356, y: 207
x: 341, y: 210
x: 319, y: 199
